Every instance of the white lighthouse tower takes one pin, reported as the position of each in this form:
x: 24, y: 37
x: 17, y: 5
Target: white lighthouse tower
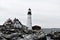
x: 29, y: 19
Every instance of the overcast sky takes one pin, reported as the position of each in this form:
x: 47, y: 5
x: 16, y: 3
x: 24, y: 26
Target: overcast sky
x: 45, y: 13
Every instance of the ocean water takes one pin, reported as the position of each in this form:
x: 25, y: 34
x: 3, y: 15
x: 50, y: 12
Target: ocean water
x: 48, y: 30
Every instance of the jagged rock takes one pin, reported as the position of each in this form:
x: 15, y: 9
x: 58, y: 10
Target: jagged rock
x: 8, y: 23
x: 17, y: 23
x: 15, y: 30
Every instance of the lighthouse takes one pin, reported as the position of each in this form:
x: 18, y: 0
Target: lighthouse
x: 29, y: 19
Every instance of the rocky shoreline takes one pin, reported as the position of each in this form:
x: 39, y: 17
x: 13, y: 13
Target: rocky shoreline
x: 15, y: 30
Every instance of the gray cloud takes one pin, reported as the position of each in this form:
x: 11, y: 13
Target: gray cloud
x: 44, y: 12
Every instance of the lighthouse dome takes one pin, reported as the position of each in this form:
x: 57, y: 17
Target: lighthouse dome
x: 29, y: 11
